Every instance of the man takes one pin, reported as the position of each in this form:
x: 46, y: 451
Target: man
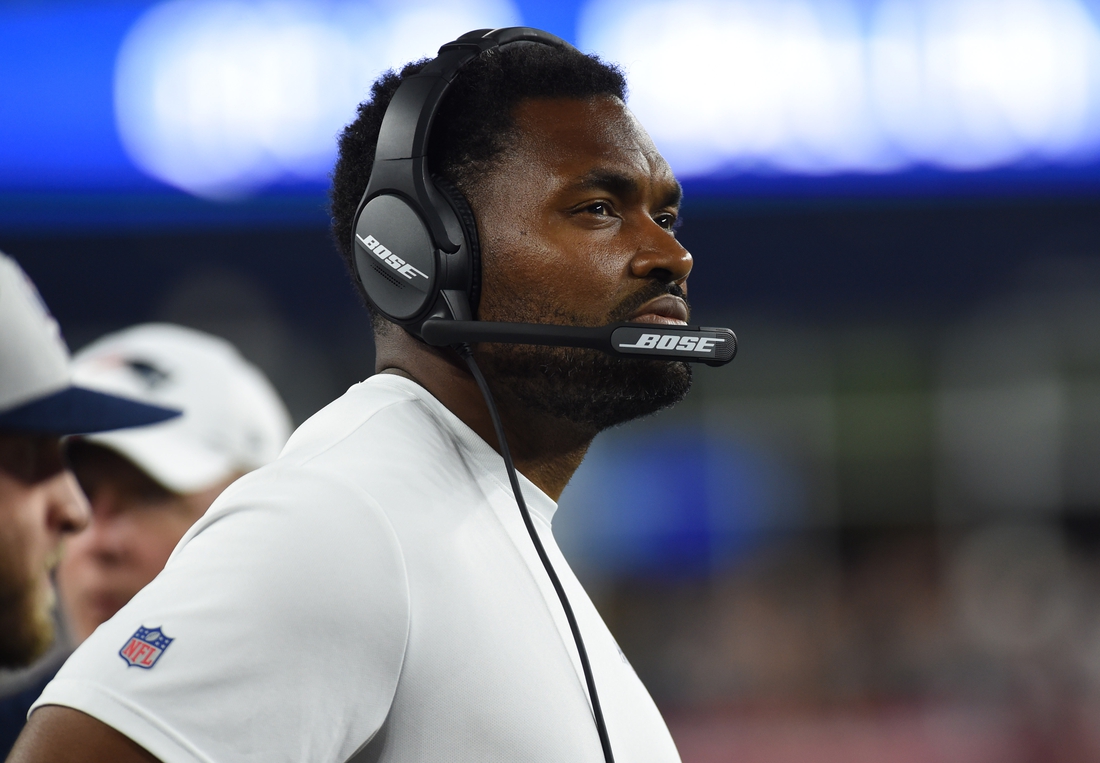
x: 148, y: 486
x: 374, y: 593
x: 39, y: 499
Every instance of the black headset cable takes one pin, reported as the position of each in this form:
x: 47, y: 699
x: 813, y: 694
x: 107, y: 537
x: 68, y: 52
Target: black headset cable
x: 597, y: 712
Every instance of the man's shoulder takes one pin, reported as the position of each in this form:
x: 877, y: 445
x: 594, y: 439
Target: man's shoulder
x: 374, y: 441
x: 383, y: 409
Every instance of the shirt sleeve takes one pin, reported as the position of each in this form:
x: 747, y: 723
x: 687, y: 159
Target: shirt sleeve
x: 276, y: 631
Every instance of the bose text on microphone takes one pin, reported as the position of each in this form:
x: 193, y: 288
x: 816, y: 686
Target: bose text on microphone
x: 713, y: 346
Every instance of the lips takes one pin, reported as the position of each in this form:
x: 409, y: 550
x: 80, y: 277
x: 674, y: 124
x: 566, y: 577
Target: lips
x: 666, y: 309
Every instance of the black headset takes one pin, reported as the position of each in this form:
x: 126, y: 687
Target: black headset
x: 415, y: 237
x: 417, y: 259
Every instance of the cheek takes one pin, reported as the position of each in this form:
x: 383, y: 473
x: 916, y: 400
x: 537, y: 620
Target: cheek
x: 25, y: 540
x: 14, y: 568
x: 563, y: 274
x: 537, y: 259
x: 79, y: 554
x: 157, y: 540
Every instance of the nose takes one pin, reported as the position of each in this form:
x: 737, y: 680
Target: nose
x: 106, y: 535
x: 661, y: 256
x: 67, y: 508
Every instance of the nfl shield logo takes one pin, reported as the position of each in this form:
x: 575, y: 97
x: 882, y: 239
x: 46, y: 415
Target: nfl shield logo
x: 145, y: 647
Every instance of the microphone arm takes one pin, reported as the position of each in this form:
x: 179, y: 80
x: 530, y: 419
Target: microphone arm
x: 713, y: 346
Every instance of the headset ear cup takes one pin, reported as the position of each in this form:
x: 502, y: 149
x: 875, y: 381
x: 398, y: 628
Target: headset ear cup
x: 466, y: 219
x: 395, y: 258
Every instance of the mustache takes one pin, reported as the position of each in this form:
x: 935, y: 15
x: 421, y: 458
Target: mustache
x: 625, y: 309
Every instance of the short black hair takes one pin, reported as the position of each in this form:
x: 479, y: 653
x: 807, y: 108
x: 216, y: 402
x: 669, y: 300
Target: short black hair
x: 475, y: 122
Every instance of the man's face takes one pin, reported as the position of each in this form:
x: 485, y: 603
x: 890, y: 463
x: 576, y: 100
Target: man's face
x: 39, y: 503
x: 576, y: 222
x: 135, y: 525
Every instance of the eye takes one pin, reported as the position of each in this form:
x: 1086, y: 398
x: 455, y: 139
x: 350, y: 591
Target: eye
x: 668, y: 221
x: 601, y: 208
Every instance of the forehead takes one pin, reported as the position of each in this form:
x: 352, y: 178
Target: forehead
x: 571, y: 137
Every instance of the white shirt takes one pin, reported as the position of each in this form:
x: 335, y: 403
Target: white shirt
x: 374, y: 584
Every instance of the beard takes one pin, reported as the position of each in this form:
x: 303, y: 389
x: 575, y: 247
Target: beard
x: 591, y: 390
x: 26, y: 624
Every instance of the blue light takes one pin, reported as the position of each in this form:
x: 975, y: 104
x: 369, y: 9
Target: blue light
x: 681, y: 500
x: 221, y: 98
x: 57, y: 126
x: 832, y: 86
x: 772, y: 96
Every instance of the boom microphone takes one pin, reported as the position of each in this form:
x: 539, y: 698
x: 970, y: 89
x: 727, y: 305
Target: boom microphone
x: 713, y: 346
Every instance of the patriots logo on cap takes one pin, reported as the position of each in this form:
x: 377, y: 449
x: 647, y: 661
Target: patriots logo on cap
x: 149, y: 373
x: 145, y: 647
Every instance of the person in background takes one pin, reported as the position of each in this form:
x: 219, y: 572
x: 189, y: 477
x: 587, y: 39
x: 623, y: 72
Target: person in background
x: 40, y: 501
x: 147, y: 487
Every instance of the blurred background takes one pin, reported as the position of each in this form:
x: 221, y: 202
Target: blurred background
x: 874, y: 536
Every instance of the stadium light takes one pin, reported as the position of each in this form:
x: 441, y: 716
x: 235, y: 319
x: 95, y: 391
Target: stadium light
x: 220, y: 98
x: 829, y: 86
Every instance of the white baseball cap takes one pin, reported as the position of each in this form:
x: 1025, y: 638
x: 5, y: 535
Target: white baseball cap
x: 36, y: 390
x: 233, y: 420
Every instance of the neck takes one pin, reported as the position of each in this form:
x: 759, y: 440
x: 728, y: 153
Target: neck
x: 545, y: 450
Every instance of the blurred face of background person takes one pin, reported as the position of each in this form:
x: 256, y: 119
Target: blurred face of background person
x: 136, y: 522
x: 39, y: 503
x: 147, y: 487
x: 39, y: 498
